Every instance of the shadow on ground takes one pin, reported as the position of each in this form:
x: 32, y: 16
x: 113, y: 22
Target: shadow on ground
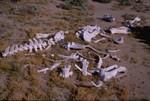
x: 142, y: 33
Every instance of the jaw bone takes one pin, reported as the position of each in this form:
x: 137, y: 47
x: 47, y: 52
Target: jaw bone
x: 66, y: 72
x: 120, y: 30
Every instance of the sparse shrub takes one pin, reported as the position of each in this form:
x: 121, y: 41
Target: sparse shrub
x: 70, y: 4
x: 128, y: 16
x: 126, y: 2
x: 141, y: 8
x: 26, y: 9
x: 103, y: 1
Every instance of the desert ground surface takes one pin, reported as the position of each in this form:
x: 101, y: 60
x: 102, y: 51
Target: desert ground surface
x: 20, y: 20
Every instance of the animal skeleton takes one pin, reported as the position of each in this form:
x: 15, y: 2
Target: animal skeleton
x: 35, y: 44
x: 120, y: 30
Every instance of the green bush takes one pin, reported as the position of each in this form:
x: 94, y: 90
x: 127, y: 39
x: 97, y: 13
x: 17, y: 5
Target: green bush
x: 103, y: 1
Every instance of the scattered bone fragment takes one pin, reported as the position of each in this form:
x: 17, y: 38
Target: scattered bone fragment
x: 102, y: 39
x: 78, y: 67
x: 40, y: 35
x: 119, y: 40
x: 113, y: 51
x: 100, y: 62
x: 55, y: 65
x: 85, y: 57
x: 72, y: 56
x: 100, y: 83
x: 66, y: 72
x: 106, y: 56
x: 115, y: 57
x: 43, y: 70
x: 120, y: 30
x: 133, y: 23
x: 108, y: 18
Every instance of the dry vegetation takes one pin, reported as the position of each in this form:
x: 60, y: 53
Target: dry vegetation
x: 21, y: 23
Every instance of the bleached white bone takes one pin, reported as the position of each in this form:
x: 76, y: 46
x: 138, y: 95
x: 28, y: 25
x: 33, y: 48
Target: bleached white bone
x: 66, y: 72
x: 131, y: 23
x: 87, y: 33
x: 51, y: 40
x: 21, y: 48
x: 100, y: 62
x: 40, y: 44
x: 26, y: 46
x: 59, y: 36
x: 12, y: 50
x: 72, y: 45
x: 110, y: 67
x: 100, y: 83
x: 72, y: 56
x: 6, y: 52
x: 120, y: 30
x: 85, y: 57
x: 88, y: 36
x: 109, y: 72
x: 85, y: 64
x: 115, y: 57
x: 107, y: 55
x: 78, y: 67
x: 43, y: 70
x: 16, y: 49
x: 119, y: 40
x: 40, y: 35
x: 102, y: 39
x: 113, y: 51
x: 55, y: 65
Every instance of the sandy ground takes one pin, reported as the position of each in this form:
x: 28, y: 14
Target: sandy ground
x: 138, y: 77
x: 134, y: 54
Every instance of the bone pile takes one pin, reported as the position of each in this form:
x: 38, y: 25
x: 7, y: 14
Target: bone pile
x: 87, y: 33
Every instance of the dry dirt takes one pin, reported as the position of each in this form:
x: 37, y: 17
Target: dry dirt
x: 17, y: 83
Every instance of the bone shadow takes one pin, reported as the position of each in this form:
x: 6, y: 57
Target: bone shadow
x: 142, y: 33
